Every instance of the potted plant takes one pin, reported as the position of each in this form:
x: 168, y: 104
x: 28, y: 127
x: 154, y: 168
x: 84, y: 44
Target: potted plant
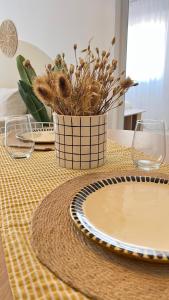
x: 80, y: 96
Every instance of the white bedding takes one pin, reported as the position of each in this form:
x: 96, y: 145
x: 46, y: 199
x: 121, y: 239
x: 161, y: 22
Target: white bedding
x: 11, y: 103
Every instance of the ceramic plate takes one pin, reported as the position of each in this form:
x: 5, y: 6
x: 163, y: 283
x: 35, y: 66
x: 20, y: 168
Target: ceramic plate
x: 128, y: 214
x: 39, y: 136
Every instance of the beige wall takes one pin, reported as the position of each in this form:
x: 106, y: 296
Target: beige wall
x: 9, y: 75
x: 55, y: 25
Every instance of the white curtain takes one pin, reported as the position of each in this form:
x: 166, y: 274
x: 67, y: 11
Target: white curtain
x: 148, y: 57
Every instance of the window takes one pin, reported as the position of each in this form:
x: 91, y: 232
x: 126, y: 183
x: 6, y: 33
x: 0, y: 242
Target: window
x: 146, y: 50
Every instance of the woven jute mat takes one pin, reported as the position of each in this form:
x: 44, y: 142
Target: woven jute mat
x: 84, y: 265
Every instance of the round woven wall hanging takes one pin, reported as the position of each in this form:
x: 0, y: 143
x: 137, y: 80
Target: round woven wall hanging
x: 8, y: 38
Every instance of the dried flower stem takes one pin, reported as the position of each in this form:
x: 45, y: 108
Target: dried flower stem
x: 88, y: 88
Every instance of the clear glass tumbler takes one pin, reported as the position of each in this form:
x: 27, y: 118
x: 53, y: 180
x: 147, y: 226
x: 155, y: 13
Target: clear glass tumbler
x: 149, y: 144
x: 18, y: 136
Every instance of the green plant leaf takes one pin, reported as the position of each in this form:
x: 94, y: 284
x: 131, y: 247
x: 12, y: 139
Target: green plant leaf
x: 29, y: 104
x: 27, y: 73
x: 34, y: 105
x: 22, y: 72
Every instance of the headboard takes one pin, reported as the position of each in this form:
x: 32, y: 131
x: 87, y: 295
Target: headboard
x: 8, y: 70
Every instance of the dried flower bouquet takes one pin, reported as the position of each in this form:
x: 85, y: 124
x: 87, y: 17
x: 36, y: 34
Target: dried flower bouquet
x: 90, y: 87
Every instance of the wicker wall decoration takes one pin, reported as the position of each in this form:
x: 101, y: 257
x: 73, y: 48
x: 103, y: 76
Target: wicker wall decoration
x: 8, y: 38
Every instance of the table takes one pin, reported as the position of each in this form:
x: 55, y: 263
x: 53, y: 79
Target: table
x: 123, y: 137
x: 131, y: 115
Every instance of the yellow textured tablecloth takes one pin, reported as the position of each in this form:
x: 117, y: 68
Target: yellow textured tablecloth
x: 23, y: 185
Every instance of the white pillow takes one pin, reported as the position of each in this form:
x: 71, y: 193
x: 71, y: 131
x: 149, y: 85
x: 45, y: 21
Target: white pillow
x: 11, y: 103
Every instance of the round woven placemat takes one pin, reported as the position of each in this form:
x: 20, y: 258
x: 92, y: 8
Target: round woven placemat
x: 84, y: 265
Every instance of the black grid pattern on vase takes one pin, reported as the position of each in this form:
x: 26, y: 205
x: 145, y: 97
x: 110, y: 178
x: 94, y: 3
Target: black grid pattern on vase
x: 80, y: 141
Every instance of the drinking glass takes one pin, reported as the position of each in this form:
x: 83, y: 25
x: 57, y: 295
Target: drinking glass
x: 2, y: 135
x: 149, y: 144
x: 18, y: 136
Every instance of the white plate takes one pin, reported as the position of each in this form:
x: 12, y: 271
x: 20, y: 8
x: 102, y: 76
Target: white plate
x: 126, y: 214
x: 39, y: 136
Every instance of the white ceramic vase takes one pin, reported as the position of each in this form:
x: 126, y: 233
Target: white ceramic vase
x: 80, y: 140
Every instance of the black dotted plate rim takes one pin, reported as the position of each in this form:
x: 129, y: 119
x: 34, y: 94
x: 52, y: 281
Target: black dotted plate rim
x: 77, y: 214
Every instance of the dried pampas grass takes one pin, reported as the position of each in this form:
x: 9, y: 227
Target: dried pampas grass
x: 63, y: 86
x: 90, y: 87
x: 43, y: 90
